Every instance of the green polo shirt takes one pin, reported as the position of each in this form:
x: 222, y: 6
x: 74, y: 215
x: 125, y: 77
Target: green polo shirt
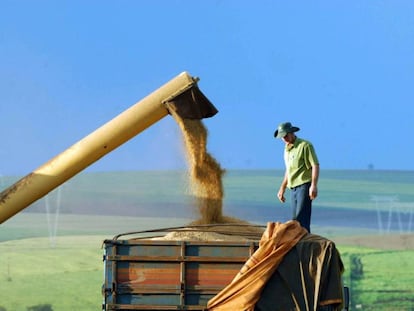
x: 299, y: 159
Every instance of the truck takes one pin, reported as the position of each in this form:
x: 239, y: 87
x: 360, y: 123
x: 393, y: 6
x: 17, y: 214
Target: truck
x: 144, y: 272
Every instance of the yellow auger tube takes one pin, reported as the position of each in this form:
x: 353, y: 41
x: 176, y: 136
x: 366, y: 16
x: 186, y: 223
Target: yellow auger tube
x: 91, y: 148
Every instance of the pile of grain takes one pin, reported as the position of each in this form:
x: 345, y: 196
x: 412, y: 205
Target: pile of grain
x: 200, y: 236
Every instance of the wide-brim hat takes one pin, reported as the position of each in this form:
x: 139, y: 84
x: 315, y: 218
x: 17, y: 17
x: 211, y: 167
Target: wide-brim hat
x: 285, y: 128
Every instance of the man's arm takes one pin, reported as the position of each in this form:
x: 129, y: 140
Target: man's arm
x: 313, y: 190
x: 281, y: 193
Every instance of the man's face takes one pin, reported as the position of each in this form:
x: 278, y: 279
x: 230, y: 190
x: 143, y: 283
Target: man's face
x: 289, y: 138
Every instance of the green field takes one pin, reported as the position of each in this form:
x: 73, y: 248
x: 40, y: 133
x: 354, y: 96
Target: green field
x: 166, y: 193
x: 65, y: 270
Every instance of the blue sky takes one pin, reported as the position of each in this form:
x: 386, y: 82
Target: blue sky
x: 343, y: 71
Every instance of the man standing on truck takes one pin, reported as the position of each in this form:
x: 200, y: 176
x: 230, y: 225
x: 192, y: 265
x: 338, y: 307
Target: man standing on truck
x: 301, y: 174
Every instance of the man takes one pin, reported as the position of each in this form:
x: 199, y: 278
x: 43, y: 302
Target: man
x: 301, y: 174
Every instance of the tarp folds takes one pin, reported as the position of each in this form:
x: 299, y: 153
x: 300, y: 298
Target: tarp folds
x: 291, y: 270
x: 244, y: 291
x: 308, y: 278
x: 192, y: 104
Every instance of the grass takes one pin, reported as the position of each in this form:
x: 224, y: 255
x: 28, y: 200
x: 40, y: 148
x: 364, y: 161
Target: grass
x: 68, y: 277
x: 131, y: 193
x: 385, y: 282
x: 64, y: 271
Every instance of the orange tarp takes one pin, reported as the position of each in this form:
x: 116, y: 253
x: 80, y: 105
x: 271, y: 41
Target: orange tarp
x: 244, y: 291
x: 308, y: 278
x: 291, y: 270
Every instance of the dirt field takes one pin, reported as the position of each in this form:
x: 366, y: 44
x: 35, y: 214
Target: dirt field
x: 386, y: 242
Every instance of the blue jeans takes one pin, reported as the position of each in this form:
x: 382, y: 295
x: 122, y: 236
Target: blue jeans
x: 302, y: 205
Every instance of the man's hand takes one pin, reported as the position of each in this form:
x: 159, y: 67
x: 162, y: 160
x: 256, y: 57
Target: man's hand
x: 281, y: 195
x: 313, y: 191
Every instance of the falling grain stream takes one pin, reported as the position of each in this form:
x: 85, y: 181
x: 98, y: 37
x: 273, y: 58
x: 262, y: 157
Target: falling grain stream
x: 205, y: 174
